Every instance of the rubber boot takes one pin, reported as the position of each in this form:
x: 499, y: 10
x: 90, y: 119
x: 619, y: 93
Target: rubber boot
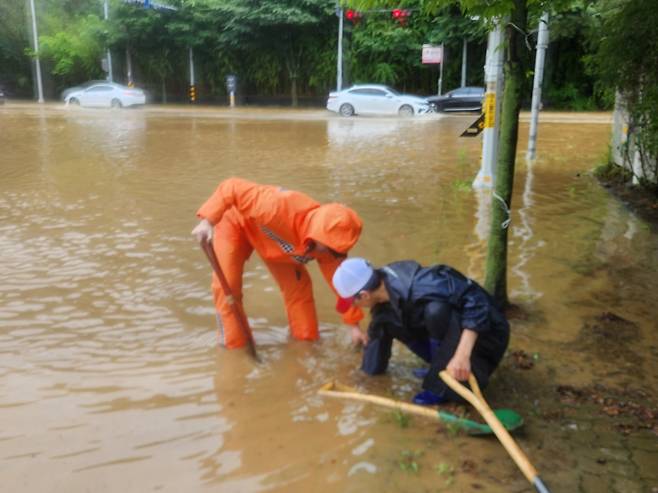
x: 428, y: 398
x: 421, y: 373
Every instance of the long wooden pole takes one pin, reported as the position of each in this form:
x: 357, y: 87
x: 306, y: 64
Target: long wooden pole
x: 505, y: 438
x: 335, y: 389
x: 228, y: 294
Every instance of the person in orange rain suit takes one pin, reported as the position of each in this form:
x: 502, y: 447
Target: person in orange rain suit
x: 287, y: 229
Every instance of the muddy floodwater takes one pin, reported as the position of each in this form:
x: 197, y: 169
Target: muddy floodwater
x: 111, y: 379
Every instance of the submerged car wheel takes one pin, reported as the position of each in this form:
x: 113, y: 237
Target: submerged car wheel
x: 406, y: 110
x: 346, y: 109
x: 116, y: 103
x: 74, y: 101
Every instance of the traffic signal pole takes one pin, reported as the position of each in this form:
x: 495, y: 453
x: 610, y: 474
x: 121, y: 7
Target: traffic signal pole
x: 464, y: 60
x: 493, y: 78
x: 339, y: 55
x: 36, y: 52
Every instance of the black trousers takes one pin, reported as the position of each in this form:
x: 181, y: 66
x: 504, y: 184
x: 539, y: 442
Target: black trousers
x: 441, y: 322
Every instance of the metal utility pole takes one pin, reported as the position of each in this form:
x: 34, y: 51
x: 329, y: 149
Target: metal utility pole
x: 109, y: 54
x: 36, y: 52
x: 542, y: 44
x: 493, y: 78
x: 443, y: 59
x: 129, y: 67
x: 339, y: 57
x: 464, y: 61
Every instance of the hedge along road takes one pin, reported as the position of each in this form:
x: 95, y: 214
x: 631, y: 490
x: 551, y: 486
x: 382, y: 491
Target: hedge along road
x: 110, y: 375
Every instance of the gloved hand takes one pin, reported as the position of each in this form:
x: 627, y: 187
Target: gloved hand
x: 203, y: 231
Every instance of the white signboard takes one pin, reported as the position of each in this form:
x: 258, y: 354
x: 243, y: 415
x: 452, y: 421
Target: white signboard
x: 432, y: 54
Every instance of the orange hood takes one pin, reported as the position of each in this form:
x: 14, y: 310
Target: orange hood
x: 333, y: 225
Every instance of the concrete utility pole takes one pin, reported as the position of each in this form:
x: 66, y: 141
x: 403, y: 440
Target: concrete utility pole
x: 493, y: 78
x: 109, y: 54
x: 464, y: 61
x: 339, y: 57
x: 542, y: 44
x: 36, y: 52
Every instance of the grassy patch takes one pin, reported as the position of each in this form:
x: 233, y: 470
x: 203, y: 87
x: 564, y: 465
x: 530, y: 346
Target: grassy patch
x: 409, y: 461
x: 403, y: 420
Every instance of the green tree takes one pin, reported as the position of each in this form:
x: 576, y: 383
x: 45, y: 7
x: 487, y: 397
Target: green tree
x: 14, y: 40
x: 514, y: 16
x: 146, y: 32
x: 75, y: 50
x: 285, y: 28
x: 627, y: 60
x: 383, y: 50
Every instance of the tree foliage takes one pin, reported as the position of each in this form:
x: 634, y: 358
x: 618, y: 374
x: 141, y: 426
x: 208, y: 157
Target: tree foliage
x: 627, y: 59
x: 14, y: 40
x: 275, y: 47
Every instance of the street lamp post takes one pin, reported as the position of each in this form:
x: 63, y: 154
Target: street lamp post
x: 36, y: 51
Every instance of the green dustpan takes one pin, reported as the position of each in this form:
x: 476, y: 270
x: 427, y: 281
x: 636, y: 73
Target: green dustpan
x: 510, y: 419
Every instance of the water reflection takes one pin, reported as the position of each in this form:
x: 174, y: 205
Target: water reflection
x: 347, y: 134
x: 117, y: 133
x: 477, y: 250
x: 526, y: 247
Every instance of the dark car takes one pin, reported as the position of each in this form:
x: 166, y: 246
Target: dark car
x: 2, y: 96
x: 462, y: 99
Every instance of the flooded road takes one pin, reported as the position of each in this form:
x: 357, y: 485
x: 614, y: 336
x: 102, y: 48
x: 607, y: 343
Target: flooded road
x: 110, y: 375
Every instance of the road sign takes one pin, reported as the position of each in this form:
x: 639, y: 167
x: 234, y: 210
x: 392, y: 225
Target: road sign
x: 475, y: 128
x: 490, y: 110
x: 432, y: 54
x: 231, y: 83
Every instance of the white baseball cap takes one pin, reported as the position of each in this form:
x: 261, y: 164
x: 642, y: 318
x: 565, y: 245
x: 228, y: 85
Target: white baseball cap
x: 352, y: 276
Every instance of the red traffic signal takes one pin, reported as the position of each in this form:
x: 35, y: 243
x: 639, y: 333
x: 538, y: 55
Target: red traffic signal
x: 352, y: 15
x: 400, y: 15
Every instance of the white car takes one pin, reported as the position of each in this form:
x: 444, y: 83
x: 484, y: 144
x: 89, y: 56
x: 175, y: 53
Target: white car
x: 374, y: 99
x: 104, y: 94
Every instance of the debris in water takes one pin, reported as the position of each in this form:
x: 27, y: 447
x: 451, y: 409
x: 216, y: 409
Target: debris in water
x: 522, y: 360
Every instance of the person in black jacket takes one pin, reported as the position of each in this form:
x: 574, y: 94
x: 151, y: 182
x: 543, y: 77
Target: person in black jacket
x: 445, y: 318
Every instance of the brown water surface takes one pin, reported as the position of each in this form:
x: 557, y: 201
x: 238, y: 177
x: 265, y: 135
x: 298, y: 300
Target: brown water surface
x: 110, y: 377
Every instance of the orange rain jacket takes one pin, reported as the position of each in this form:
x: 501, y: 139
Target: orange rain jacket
x: 278, y: 224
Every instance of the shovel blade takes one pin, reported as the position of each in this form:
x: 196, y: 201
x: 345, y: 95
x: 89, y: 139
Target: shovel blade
x: 510, y: 419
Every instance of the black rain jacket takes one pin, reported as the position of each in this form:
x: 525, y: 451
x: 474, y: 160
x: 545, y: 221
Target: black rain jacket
x: 411, y: 288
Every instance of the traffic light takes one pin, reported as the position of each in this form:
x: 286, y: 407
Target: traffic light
x: 353, y: 15
x: 192, y: 94
x: 400, y: 15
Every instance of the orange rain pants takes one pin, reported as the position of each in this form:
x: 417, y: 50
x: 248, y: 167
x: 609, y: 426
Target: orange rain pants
x: 277, y: 224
